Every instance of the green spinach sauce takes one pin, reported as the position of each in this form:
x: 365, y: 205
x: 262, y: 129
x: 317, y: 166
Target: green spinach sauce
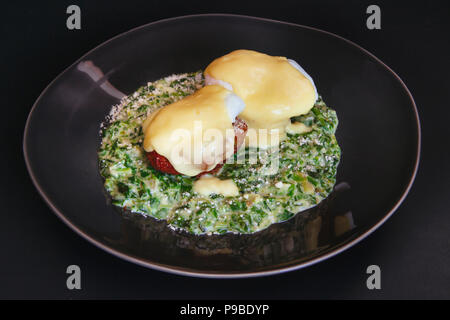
x: 306, y: 172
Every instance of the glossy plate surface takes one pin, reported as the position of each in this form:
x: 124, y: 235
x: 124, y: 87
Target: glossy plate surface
x: 379, y: 134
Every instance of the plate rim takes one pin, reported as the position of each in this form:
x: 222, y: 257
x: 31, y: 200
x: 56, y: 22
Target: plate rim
x: 205, y: 274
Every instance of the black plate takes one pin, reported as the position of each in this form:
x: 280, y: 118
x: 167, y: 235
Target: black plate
x: 379, y: 134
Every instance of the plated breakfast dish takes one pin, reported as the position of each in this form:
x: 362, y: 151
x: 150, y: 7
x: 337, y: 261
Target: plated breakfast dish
x: 178, y: 218
x: 234, y: 148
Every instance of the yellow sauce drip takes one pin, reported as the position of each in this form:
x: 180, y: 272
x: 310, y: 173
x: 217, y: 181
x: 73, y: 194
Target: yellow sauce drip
x: 208, y: 185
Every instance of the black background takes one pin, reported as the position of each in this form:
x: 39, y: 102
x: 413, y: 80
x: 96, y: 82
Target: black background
x: 412, y: 248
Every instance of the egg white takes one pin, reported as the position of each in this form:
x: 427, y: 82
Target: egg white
x: 235, y: 105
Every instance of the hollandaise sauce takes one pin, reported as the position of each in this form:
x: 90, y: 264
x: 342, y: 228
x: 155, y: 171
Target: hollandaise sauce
x: 185, y: 130
x: 274, y: 90
x: 243, y: 197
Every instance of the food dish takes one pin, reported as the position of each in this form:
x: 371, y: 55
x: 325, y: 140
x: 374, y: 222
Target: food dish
x: 61, y: 141
x: 247, y: 194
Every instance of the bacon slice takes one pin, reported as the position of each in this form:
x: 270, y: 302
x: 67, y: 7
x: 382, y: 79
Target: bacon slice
x: 162, y: 164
